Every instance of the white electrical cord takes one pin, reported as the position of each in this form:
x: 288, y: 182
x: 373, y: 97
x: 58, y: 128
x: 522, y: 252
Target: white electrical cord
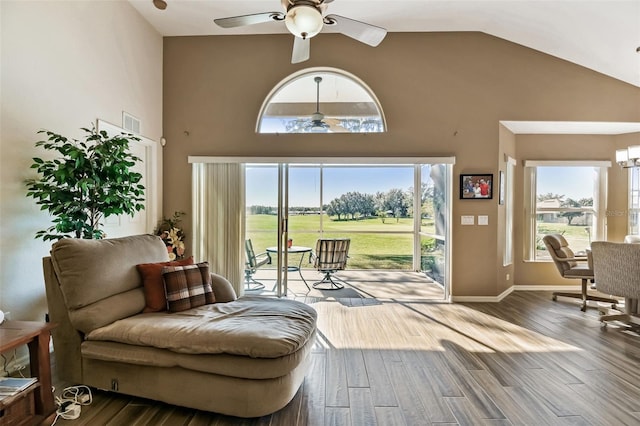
x: 70, y: 402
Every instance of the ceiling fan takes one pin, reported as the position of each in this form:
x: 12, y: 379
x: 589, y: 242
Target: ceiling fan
x: 318, y: 123
x: 304, y: 19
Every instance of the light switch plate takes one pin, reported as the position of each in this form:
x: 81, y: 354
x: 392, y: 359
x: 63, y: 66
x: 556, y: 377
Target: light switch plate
x: 467, y: 220
x: 483, y: 220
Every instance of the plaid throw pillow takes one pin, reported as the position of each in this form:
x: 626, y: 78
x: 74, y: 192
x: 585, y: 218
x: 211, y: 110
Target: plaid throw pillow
x: 154, y: 293
x: 187, y: 286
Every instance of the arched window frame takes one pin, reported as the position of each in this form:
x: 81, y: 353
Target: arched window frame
x: 319, y: 70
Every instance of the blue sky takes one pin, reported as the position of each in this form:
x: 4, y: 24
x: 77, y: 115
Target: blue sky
x: 305, y: 183
x: 572, y: 182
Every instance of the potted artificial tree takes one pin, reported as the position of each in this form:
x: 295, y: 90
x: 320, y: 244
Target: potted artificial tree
x: 89, y: 180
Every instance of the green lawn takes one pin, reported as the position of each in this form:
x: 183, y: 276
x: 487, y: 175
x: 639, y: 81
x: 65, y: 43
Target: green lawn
x: 367, y: 250
x: 371, y: 250
x: 576, y: 235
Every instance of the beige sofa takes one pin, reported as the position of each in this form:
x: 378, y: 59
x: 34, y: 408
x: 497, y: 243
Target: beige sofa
x: 243, y: 357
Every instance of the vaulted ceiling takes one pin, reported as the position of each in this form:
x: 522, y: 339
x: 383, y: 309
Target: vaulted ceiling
x: 602, y: 35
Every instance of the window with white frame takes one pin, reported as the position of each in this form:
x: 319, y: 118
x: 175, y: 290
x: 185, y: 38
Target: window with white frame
x: 564, y: 197
x: 634, y: 201
x: 509, y: 211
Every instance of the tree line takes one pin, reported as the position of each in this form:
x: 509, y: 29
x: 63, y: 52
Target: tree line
x: 354, y: 205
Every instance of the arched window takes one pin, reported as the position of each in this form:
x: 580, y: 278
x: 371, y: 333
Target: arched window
x: 321, y: 100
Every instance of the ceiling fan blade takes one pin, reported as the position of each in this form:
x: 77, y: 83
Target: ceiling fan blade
x: 301, y: 50
x: 363, y: 32
x: 334, y: 125
x: 256, y: 18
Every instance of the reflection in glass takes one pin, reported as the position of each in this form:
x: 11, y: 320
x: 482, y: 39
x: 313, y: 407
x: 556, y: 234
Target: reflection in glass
x: 433, y: 223
x: 432, y: 258
x: 321, y: 100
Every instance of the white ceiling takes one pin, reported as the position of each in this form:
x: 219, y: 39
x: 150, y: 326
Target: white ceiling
x: 602, y: 35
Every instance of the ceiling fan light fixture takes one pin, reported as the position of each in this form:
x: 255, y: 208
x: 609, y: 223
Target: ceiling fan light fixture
x: 304, y: 21
x: 160, y: 4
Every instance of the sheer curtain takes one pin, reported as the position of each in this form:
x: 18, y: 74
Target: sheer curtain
x: 218, y: 219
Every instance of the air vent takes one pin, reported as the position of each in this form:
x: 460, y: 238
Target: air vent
x: 130, y: 123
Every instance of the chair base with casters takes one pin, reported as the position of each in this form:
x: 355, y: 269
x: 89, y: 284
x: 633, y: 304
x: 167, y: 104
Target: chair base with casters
x: 630, y: 317
x: 584, y: 296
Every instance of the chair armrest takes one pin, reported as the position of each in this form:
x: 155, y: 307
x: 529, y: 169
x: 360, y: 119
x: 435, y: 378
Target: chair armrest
x: 266, y: 254
x: 574, y: 259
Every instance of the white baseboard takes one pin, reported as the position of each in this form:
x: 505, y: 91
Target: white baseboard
x: 483, y: 299
x: 498, y: 298
x: 547, y: 288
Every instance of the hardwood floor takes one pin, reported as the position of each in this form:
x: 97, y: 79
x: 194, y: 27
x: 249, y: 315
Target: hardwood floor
x: 524, y: 361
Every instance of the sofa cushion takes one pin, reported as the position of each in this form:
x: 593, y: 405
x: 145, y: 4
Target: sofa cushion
x: 151, y: 274
x: 187, y: 286
x: 222, y: 364
x: 92, y: 270
x: 251, y: 326
x: 107, y: 310
x: 98, y: 278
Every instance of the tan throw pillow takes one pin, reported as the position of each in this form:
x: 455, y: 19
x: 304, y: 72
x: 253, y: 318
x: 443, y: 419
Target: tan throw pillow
x: 151, y: 273
x: 187, y: 286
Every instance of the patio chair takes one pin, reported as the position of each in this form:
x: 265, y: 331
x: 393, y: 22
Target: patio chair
x: 252, y: 263
x: 573, y: 267
x: 330, y: 256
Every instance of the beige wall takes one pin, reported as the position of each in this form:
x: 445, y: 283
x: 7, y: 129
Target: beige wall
x: 63, y: 65
x: 443, y: 94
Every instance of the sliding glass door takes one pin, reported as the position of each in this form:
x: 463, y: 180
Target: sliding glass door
x: 396, y: 215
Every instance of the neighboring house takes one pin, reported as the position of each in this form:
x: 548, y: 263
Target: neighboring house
x: 549, y: 204
x: 556, y: 217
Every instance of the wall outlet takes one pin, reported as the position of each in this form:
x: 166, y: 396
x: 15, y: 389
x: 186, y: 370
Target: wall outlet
x: 508, y: 277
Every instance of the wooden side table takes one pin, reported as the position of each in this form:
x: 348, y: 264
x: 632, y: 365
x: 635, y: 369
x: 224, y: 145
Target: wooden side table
x: 36, y: 335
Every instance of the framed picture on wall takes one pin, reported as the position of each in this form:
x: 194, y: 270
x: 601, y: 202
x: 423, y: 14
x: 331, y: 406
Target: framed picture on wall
x: 476, y: 186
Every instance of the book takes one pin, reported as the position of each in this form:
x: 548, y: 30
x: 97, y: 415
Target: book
x: 12, y: 385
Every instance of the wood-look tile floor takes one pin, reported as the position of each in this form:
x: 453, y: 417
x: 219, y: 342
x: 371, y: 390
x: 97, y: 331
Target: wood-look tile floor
x: 523, y: 361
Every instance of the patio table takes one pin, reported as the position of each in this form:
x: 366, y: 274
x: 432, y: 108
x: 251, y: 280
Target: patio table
x: 302, y: 250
